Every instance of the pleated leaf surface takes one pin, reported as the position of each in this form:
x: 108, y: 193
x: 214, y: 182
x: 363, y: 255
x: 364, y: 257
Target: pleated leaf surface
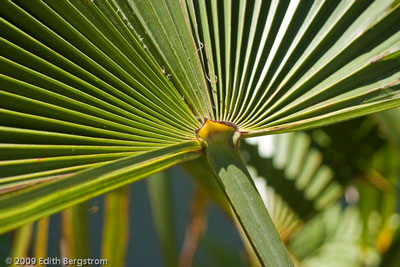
x: 97, y: 94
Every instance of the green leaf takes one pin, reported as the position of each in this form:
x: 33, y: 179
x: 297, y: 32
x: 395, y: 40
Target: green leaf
x: 97, y: 94
x: 159, y: 186
x: 116, y: 233
x: 231, y: 172
x: 43, y: 199
x: 388, y: 121
x: 42, y: 236
x: 22, y: 242
x: 301, y: 174
x: 203, y: 175
x: 75, y: 231
x: 313, y: 63
x: 335, y: 230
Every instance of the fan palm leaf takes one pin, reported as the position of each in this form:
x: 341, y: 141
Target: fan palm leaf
x: 98, y: 94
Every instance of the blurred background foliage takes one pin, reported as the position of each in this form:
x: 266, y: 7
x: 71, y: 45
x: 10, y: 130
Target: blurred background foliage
x: 332, y: 193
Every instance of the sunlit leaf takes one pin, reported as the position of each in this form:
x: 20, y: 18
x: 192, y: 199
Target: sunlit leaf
x: 97, y: 94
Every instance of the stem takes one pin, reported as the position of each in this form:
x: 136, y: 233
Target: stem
x: 162, y: 208
x: 235, y: 180
x: 42, y: 236
x: 22, y: 242
x: 75, y: 238
x: 116, y: 226
x: 195, y: 228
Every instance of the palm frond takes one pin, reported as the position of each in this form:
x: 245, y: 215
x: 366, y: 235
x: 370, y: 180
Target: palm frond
x: 97, y: 94
x: 330, y: 239
x: 43, y: 199
x: 301, y: 174
x: 313, y: 62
